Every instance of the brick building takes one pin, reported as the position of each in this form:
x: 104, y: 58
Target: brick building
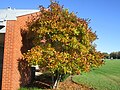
x: 11, y: 23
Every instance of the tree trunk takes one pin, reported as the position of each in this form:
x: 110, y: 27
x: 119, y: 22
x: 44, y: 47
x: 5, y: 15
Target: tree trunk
x: 55, y: 86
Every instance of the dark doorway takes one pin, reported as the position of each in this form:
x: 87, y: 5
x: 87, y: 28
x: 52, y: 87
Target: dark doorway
x: 1, y: 61
x: 1, y: 55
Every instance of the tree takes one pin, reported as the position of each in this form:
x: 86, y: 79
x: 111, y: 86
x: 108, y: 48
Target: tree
x: 118, y: 57
x: 62, y: 42
x: 106, y: 55
x: 113, y: 55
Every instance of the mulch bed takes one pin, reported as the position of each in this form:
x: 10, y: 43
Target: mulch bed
x: 68, y: 84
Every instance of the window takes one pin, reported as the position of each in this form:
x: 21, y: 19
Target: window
x: 2, y: 26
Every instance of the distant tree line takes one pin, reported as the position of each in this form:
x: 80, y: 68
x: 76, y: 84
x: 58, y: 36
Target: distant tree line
x: 112, y: 55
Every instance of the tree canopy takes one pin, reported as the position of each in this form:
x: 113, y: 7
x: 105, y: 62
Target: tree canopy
x: 61, y: 41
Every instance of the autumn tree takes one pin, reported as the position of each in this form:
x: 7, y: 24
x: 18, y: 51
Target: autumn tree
x: 62, y: 42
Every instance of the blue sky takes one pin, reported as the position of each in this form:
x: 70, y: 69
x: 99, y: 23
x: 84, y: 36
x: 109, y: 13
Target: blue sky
x: 104, y: 15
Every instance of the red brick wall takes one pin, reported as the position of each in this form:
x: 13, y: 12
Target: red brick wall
x: 8, y: 56
x: 14, y: 74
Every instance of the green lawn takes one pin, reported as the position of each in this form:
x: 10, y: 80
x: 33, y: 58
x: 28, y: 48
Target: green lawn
x: 107, y: 77
x: 29, y: 88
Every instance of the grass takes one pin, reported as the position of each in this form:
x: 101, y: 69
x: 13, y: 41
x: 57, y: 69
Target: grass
x: 24, y: 88
x: 107, y: 77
